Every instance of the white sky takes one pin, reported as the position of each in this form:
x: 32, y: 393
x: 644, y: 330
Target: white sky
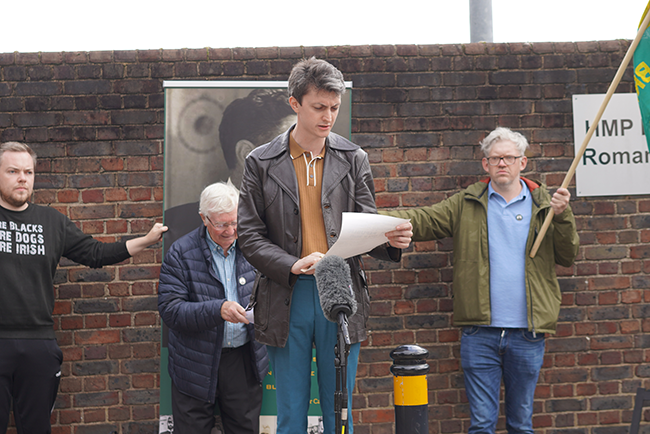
x: 90, y: 25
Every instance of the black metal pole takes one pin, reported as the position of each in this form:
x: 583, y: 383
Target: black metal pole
x: 341, y: 352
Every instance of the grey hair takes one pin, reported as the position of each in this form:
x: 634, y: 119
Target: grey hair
x: 317, y: 74
x: 218, y: 198
x: 17, y: 147
x: 502, y: 133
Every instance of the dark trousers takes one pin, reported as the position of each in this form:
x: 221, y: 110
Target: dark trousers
x: 239, y: 397
x: 30, y: 371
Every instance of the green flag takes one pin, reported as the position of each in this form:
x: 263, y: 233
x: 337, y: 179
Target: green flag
x: 642, y: 77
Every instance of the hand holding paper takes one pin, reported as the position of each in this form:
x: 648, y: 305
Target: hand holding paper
x: 400, y: 238
x: 362, y: 232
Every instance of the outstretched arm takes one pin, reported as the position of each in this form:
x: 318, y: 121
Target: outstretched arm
x: 136, y: 245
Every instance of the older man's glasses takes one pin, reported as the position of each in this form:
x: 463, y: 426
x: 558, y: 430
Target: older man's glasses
x: 508, y: 159
x: 222, y: 226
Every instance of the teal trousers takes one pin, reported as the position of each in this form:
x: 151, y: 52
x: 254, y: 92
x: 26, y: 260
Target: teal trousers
x: 292, y: 364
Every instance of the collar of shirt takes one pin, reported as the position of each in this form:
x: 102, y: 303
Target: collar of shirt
x: 523, y: 194
x: 296, y: 151
x: 216, y: 249
x: 308, y: 158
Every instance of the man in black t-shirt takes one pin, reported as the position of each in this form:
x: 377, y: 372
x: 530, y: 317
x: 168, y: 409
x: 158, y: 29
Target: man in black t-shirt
x: 33, y: 238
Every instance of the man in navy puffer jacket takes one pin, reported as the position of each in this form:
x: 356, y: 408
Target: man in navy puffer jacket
x: 205, y: 282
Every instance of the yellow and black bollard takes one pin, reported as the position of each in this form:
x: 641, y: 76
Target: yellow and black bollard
x: 410, y: 383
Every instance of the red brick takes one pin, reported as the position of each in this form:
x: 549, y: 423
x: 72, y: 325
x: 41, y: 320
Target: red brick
x: 92, y: 212
x: 145, y: 318
x: 93, y: 416
x: 119, y: 351
x: 630, y: 327
x: 72, y: 353
x: 631, y: 296
x: 403, y: 307
x: 377, y: 416
x: 68, y: 417
x: 68, y: 196
x: 137, y: 163
x: 565, y: 360
x: 119, y: 413
x: 115, y: 194
x: 92, y: 227
x: 92, y: 196
x: 588, y: 418
x: 95, y: 321
x: 605, y: 298
x: 449, y: 366
x: 387, y: 201
x: 112, y: 164
x: 72, y: 323
x: 585, y: 329
x: 586, y: 389
x: 143, y: 412
x: 562, y: 390
x: 139, y: 194
x: 116, y: 226
x: 97, y: 337
x: 70, y: 385
x: 62, y: 307
x: 609, y: 417
x: 541, y: 421
x: 118, y: 289
x: 143, y: 381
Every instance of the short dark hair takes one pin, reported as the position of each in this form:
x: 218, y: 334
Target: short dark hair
x: 317, y: 74
x: 253, y: 118
x: 17, y: 147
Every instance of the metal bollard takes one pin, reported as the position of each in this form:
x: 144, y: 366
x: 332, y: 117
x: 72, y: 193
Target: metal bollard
x: 410, y: 384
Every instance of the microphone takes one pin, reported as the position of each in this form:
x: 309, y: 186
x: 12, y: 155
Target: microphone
x: 335, y: 291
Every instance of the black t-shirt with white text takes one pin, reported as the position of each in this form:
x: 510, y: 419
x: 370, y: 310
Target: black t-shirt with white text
x: 32, y: 243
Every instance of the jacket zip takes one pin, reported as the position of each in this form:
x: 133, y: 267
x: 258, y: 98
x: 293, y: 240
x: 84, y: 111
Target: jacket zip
x: 532, y: 318
x: 478, y: 200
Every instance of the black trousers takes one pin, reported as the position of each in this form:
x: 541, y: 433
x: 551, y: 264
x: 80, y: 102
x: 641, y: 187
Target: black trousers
x: 30, y: 371
x: 239, y: 397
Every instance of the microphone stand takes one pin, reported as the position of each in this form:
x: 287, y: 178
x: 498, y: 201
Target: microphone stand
x: 341, y: 352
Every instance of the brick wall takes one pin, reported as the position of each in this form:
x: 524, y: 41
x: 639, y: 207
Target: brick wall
x: 96, y: 121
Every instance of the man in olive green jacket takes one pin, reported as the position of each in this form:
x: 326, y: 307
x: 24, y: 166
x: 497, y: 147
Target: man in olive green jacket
x: 505, y: 300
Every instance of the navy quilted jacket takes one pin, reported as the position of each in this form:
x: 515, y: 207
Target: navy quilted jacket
x: 190, y: 296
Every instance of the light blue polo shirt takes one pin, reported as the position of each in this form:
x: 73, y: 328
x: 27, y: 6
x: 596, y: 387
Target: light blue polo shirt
x: 508, y: 226
x: 234, y: 335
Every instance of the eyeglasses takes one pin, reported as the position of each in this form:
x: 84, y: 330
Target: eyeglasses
x: 222, y: 226
x: 508, y: 159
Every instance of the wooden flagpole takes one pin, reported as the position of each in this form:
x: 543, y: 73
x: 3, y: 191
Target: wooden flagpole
x: 592, y: 128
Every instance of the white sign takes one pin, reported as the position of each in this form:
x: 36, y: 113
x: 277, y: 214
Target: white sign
x: 616, y: 161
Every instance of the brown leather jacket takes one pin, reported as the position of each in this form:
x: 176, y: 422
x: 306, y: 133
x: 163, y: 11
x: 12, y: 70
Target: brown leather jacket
x: 270, y: 233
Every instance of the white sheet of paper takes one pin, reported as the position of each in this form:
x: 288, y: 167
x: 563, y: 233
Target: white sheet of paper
x: 250, y: 316
x: 362, y: 232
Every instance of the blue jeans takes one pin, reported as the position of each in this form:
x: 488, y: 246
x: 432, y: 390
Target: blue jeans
x: 489, y: 354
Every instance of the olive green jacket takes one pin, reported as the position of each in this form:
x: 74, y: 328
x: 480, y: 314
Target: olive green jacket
x: 464, y: 217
